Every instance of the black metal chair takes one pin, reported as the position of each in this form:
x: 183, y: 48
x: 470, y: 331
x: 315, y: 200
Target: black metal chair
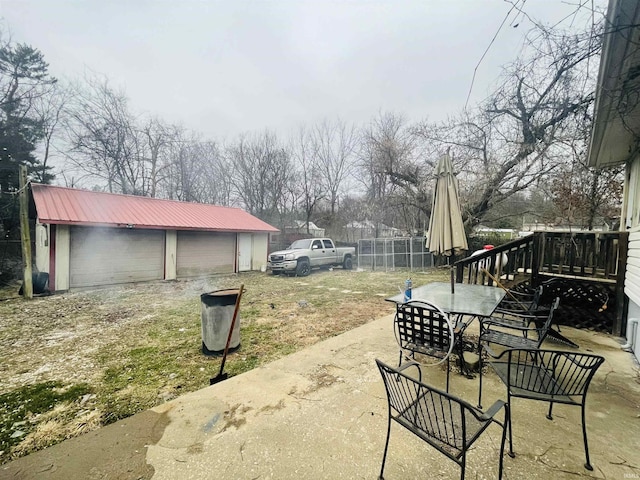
x: 549, y: 376
x: 520, y: 302
x: 515, y: 307
x: 496, y: 331
x: 422, y: 327
x: 445, y: 422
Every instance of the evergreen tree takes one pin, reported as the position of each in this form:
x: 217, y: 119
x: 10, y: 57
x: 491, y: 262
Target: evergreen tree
x: 23, y: 78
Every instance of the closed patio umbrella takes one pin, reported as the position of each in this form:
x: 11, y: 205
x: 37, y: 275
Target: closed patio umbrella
x: 446, y: 230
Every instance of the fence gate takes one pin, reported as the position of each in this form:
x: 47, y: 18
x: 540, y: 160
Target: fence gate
x: 391, y: 253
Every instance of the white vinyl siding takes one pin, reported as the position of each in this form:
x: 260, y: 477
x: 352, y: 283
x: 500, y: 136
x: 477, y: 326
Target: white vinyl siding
x: 205, y: 253
x: 632, y: 279
x: 632, y: 222
x: 108, y: 256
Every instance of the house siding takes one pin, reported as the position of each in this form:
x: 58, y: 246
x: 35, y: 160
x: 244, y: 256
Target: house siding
x: 631, y: 216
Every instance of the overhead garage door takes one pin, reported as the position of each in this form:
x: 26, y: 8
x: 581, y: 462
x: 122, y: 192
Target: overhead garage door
x: 107, y: 256
x: 205, y: 253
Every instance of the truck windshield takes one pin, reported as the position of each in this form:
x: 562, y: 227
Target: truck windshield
x: 300, y: 244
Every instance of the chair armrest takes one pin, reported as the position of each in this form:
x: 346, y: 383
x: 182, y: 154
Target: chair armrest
x: 530, y: 316
x: 492, y: 410
x: 406, y: 365
x: 497, y: 323
x: 491, y: 353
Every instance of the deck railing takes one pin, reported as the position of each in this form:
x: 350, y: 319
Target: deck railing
x: 589, y: 267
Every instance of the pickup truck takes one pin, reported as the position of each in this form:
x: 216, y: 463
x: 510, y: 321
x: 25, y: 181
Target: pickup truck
x: 303, y: 255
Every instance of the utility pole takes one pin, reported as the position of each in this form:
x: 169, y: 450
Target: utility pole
x: 25, y: 234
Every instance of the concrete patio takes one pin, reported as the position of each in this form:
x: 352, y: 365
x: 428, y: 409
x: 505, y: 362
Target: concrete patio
x: 321, y: 413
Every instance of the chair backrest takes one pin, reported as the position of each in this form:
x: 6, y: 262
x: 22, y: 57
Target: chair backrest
x: 543, y: 328
x: 423, y: 327
x: 434, y: 415
x: 522, y: 302
x: 551, y: 372
x: 535, y: 299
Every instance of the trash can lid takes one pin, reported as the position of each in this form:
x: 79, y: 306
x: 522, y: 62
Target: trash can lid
x: 223, y: 293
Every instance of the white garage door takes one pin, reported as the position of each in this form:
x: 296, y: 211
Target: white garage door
x: 205, y: 253
x: 107, y: 256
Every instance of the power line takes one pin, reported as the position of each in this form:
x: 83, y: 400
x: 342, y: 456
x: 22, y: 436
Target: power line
x: 475, y: 70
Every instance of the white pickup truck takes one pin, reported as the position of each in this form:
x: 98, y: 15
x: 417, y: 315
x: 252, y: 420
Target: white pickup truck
x: 303, y: 255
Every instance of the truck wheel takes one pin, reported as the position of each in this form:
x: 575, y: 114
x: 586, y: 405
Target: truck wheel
x: 303, y: 268
x: 275, y: 272
x: 347, y: 264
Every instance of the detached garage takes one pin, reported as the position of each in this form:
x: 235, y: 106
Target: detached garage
x: 86, y: 238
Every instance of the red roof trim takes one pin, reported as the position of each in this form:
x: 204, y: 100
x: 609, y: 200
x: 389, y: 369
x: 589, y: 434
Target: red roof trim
x: 70, y: 206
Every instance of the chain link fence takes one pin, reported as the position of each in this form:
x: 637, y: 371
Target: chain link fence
x: 391, y: 253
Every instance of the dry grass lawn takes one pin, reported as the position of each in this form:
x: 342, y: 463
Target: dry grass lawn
x: 72, y: 362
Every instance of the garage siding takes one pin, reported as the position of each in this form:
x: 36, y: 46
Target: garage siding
x: 108, y: 256
x: 205, y: 253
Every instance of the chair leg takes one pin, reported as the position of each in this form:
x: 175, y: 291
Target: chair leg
x: 463, y: 465
x: 386, y: 446
x: 480, y: 370
x: 400, y: 359
x: 511, y: 452
x: 549, y: 416
x: 460, y: 352
x: 506, y: 425
x: 584, y: 435
x: 448, y: 374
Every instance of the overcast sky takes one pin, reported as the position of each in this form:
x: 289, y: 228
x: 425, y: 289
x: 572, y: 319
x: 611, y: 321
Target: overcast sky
x: 224, y: 68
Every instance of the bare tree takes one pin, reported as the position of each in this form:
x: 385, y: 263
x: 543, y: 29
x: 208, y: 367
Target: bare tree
x: 397, y: 185
x: 155, y: 140
x: 582, y: 195
x: 50, y: 110
x: 261, y: 173
x: 305, y: 180
x: 103, y: 136
x: 334, y: 144
x: 513, y: 139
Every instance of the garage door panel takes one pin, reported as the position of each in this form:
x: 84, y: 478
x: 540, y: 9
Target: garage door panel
x: 105, y: 256
x: 205, y: 253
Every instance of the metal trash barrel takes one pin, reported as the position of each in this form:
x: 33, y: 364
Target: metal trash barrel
x: 217, y: 313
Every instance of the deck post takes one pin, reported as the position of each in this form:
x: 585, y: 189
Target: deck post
x: 619, y: 325
x: 536, y: 257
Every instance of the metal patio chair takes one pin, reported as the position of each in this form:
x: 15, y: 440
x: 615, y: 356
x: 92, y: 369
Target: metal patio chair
x: 549, y: 376
x: 529, y: 334
x: 522, y: 309
x: 520, y: 302
x: 422, y: 327
x: 445, y: 422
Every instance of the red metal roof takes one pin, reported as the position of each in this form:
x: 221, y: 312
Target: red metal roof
x: 83, y: 207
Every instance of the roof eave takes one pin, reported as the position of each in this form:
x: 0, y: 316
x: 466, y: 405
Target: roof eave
x: 49, y: 221
x: 614, y: 137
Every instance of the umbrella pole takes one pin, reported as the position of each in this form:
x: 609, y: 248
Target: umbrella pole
x: 451, y: 262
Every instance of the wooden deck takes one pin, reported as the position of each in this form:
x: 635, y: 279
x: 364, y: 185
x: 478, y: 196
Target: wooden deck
x: 586, y: 269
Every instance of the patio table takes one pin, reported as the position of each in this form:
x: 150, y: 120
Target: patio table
x: 468, y: 300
